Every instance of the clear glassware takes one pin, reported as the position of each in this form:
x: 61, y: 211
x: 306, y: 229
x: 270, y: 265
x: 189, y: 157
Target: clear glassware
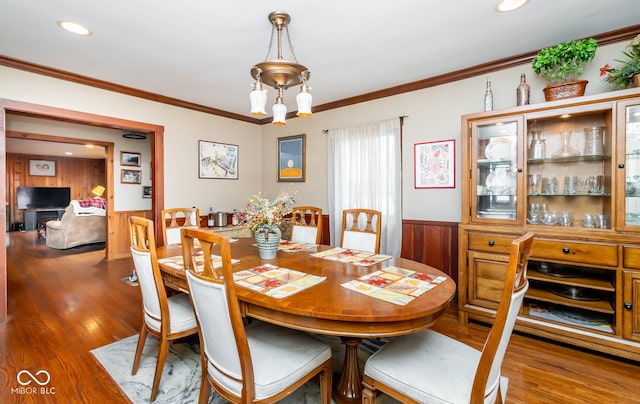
x: 566, y: 150
x: 537, y: 148
x: 593, y: 140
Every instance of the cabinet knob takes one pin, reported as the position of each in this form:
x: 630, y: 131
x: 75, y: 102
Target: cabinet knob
x: 621, y: 165
x: 566, y: 250
x: 627, y: 306
x: 492, y: 243
x: 519, y: 170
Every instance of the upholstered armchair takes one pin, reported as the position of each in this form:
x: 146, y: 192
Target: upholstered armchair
x: 76, y: 228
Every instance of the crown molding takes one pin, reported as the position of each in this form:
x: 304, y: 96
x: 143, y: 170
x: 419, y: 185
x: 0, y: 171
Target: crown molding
x: 482, y: 69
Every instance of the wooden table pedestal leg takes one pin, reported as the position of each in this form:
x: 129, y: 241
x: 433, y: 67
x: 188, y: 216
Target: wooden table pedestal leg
x: 349, y: 387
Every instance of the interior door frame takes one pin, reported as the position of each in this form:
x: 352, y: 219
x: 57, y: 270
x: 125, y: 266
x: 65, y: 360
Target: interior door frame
x: 156, y: 133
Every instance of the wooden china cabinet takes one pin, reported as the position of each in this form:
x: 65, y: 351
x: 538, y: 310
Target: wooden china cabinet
x: 568, y: 170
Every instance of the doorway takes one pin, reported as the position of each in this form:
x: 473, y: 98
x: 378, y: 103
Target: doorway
x: 156, y: 133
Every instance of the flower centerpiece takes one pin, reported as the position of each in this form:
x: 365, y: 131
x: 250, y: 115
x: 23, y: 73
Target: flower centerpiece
x: 264, y: 216
x: 627, y: 74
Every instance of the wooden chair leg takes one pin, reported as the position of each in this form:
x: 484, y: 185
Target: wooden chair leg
x: 368, y: 394
x: 142, y: 337
x: 162, y: 357
x: 205, y: 388
x: 325, y: 385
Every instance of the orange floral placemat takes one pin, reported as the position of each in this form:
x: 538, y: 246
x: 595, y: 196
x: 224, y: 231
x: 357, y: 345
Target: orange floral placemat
x: 395, y: 285
x: 294, y: 246
x: 275, y: 281
x: 176, y: 262
x: 352, y: 256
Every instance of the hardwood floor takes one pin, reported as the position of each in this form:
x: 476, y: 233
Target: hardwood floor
x: 62, y: 304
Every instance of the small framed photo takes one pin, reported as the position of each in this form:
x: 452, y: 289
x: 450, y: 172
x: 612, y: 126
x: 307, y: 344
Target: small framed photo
x: 291, y: 158
x: 435, y: 165
x: 146, y: 192
x: 130, y: 176
x: 129, y: 159
x: 217, y: 160
x: 46, y: 168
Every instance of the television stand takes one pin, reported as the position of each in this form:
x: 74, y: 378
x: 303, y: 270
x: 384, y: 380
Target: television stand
x: 32, y: 217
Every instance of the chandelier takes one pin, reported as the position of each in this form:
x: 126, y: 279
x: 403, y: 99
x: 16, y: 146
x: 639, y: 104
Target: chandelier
x: 280, y: 74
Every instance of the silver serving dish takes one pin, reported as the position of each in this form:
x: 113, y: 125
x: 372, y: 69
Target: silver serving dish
x: 576, y: 293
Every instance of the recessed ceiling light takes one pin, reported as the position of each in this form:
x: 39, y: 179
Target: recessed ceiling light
x: 68, y: 153
x: 74, y: 27
x: 509, y: 5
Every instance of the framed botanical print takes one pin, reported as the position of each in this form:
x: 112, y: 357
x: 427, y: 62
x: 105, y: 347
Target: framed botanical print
x: 291, y: 159
x: 217, y: 160
x: 435, y: 165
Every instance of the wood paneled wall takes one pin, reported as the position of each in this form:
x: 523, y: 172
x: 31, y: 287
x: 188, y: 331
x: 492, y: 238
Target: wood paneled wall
x: 82, y: 175
x: 118, y: 237
x: 432, y: 243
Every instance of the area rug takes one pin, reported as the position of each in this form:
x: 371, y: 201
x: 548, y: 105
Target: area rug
x: 180, y: 381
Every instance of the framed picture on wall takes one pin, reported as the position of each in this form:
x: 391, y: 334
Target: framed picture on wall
x: 46, y: 168
x: 291, y: 158
x: 435, y: 164
x: 217, y: 160
x: 146, y: 192
x: 130, y: 176
x: 129, y: 159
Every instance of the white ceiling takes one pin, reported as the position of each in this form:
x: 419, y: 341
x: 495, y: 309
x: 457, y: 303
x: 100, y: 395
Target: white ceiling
x: 24, y: 146
x: 201, y: 51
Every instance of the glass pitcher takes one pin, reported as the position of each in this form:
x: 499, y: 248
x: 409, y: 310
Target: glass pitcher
x: 594, y: 141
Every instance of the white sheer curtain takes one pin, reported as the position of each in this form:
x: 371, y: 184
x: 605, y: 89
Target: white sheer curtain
x: 364, y: 172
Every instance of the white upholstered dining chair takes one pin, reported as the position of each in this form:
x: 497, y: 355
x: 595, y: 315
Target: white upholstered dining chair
x: 179, y: 218
x: 428, y: 367
x: 307, y: 224
x: 166, y: 318
x: 259, y: 362
x: 361, y: 230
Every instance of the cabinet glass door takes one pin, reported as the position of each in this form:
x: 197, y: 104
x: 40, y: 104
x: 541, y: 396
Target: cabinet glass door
x: 495, y: 151
x: 632, y: 165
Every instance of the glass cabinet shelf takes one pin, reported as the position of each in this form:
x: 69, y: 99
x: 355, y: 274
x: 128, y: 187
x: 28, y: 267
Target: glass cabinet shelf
x: 596, y: 157
x: 590, y: 195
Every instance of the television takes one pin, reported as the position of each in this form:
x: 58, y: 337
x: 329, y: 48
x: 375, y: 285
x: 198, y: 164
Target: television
x: 43, y: 197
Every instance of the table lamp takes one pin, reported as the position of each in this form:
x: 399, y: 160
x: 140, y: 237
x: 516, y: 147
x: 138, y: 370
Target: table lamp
x: 98, y: 191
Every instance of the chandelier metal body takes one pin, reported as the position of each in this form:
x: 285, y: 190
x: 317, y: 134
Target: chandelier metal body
x: 280, y: 74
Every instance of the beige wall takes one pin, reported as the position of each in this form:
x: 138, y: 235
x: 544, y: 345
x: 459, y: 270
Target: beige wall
x: 433, y: 114
x: 183, y: 129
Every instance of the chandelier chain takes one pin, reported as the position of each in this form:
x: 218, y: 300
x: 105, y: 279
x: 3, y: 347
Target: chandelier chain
x: 273, y: 28
x: 291, y: 46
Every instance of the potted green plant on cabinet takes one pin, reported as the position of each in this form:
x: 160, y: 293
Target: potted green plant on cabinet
x: 627, y: 74
x: 562, y: 64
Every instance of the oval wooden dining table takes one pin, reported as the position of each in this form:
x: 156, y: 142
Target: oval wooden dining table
x: 328, y: 308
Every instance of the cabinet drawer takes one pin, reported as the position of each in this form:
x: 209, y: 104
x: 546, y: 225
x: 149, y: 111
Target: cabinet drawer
x: 486, y: 279
x: 631, y: 257
x: 586, y: 253
x: 493, y: 243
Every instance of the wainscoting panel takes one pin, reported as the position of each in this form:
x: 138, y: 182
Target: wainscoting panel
x: 118, y: 237
x: 432, y: 243
x: 429, y: 242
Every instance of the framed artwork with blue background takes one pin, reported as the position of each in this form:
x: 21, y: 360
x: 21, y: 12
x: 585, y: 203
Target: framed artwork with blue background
x: 291, y: 158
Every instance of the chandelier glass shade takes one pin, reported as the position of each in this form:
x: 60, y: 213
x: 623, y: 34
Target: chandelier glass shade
x: 280, y: 74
